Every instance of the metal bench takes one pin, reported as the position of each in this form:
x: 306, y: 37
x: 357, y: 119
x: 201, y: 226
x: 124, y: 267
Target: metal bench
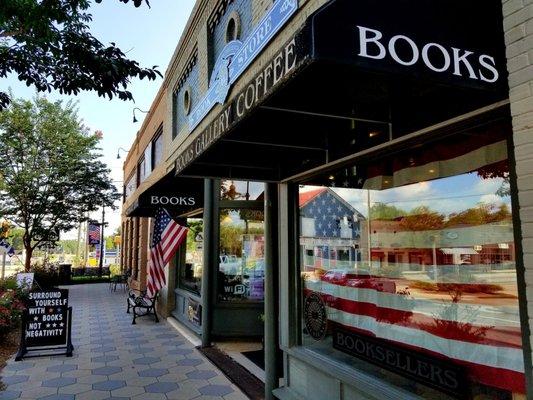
x: 141, y: 304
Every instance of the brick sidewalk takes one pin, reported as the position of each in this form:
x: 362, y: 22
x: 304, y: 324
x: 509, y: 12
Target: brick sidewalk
x: 116, y: 360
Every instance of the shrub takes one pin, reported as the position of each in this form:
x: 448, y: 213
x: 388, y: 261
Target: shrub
x: 11, y: 307
x: 46, y: 276
x: 114, y: 270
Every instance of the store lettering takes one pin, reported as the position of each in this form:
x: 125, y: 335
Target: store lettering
x: 434, y: 56
x: 172, y: 200
x: 437, y: 373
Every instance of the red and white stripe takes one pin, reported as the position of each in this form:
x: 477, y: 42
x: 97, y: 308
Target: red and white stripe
x: 494, y: 358
x: 160, y: 254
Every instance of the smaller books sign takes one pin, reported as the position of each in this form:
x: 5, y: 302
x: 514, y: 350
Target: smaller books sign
x: 46, y: 323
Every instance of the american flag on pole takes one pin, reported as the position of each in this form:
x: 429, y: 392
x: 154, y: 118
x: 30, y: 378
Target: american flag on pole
x: 93, y: 231
x: 167, y: 237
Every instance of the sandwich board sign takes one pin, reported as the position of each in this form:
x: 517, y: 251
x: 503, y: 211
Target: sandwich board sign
x: 46, y: 324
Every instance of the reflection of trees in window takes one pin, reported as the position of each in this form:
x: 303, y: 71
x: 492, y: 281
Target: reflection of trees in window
x: 382, y: 211
x: 231, y: 237
x: 498, y: 170
x: 228, y: 191
x: 480, y: 215
x: 422, y: 218
x: 196, y: 227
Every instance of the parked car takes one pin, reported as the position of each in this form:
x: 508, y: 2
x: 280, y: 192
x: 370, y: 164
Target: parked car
x: 359, y: 278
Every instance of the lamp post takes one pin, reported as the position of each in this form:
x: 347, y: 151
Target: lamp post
x: 137, y: 108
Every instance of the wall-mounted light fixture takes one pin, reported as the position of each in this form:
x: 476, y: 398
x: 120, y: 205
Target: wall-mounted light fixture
x: 118, y: 152
x: 137, y: 108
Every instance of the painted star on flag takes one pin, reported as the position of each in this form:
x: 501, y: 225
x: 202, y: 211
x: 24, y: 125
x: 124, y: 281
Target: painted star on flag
x: 51, y: 310
x: 48, y: 325
x: 54, y: 324
x: 36, y: 318
x: 61, y: 324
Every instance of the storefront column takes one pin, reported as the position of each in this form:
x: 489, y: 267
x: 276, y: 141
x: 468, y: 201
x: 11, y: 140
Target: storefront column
x: 518, y: 23
x: 210, y: 257
x: 143, y: 251
x: 271, y: 290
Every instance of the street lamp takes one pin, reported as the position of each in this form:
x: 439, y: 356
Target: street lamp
x: 118, y: 152
x: 137, y: 108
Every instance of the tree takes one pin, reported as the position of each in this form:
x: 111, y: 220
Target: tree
x: 47, y: 44
x: 68, y: 246
x: 51, y: 175
x: 382, y: 211
x: 422, y: 218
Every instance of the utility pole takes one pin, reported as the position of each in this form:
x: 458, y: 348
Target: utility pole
x: 102, y: 245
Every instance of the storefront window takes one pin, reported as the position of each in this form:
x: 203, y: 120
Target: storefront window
x: 148, y: 160
x: 131, y: 185
x: 157, y: 149
x: 141, y: 171
x: 241, y: 273
x: 409, y: 272
x: 190, y: 274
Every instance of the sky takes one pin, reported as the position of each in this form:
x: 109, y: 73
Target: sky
x: 446, y: 196
x: 147, y: 35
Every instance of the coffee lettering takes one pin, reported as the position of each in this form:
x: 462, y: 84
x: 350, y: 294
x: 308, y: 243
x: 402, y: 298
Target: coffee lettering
x: 290, y: 59
x: 258, y: 86
x: 278, y: 68
x: 249, y: 97
x: 371, y: 36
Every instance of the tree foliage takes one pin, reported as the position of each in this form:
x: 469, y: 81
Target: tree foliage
x: 48, y: 44
x: 51, y: 175
x: 382, y: 211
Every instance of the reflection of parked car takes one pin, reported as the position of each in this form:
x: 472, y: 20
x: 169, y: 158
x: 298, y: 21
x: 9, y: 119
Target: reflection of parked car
x: 359, y: 278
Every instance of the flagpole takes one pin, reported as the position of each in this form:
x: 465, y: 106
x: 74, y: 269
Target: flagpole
x: 4, y: 265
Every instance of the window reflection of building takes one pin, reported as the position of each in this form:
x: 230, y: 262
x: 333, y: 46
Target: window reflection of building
x: 330, y: 231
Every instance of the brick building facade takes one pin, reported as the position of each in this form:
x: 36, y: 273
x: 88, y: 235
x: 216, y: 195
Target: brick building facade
x: 243, y: 136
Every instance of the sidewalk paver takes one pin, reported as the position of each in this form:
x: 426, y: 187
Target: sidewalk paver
x: 114, y: 359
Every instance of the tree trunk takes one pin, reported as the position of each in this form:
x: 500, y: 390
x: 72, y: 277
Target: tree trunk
x: 27, y: 261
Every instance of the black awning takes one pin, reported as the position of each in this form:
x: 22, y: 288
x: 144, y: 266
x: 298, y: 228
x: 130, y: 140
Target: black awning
x: 177, y: 195
x: 319, y: 100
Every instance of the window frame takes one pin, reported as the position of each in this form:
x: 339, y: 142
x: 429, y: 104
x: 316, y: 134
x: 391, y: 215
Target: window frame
x: 292, y: 330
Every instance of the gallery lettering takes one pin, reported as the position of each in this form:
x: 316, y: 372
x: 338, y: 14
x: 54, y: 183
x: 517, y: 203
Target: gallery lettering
x: 172, y: 200
x: 436, y: 57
